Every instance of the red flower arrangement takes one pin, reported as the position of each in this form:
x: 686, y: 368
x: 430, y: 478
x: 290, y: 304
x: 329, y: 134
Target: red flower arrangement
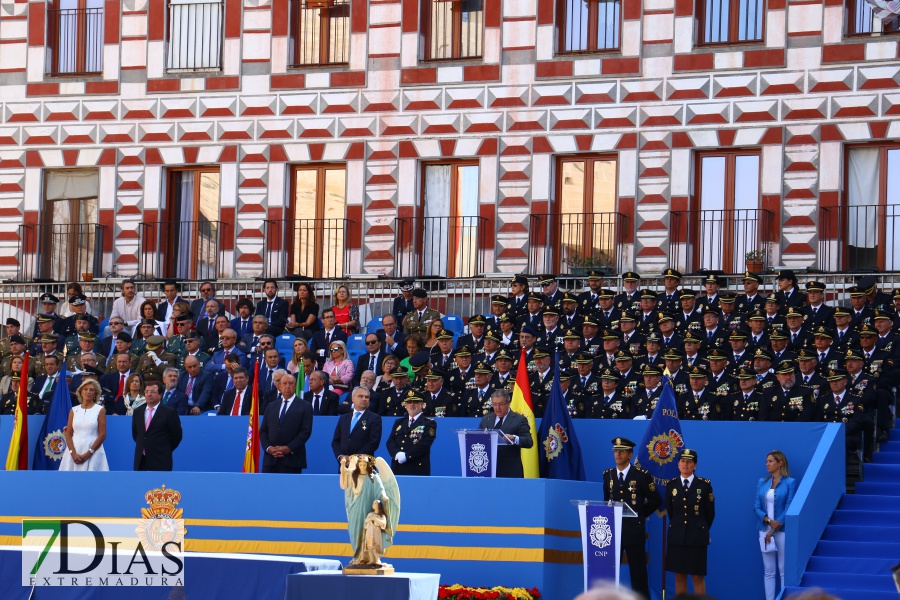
x: 459, y: 592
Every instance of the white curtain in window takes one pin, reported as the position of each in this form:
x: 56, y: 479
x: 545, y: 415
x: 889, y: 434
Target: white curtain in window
x: 436, y: 244
x: 195, y: 34
x: 72, y: 185
x: 862, y: 197
x: 185, y: 231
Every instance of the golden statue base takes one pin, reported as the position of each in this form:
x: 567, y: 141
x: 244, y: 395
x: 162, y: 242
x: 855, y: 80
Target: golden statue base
x: 368, y: 570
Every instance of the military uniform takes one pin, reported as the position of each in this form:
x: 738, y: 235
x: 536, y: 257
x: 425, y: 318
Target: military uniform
x: 644, y: 401
x: 413, y: 323
x: 36, y: 364
x: 147, y: 367
x: 746, y: 408
x: 73, y: 361
x: 637, y: 490
x: 415, y: 442
x: 849, y: 411
x: 795, y: 404
x: 4, y: 345
x: 691, y: 512
x: 392, y: 402
x: 612, y: 406
x: 540, y: 391
x: 5, y: 364
x: 111, y: 363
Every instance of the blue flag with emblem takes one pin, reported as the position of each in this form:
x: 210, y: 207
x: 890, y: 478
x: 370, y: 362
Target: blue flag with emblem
x: 658, y: 451
x: 560, y: 455
x: 51, y: 443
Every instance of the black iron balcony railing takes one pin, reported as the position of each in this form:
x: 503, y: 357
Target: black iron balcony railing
x: 319, y: 32
x: 315, y: 248
x: 577, y: 243
x: 440, y: 246
x: 195, y: 34
x: 181, y: 249
x: 74, y: 41
x: 61, y: 252
x: 859, y: 238
x: 719, y: 240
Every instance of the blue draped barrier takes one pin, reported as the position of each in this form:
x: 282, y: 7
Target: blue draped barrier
x: 471, y: 531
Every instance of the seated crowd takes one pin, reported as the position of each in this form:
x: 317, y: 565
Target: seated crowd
x: 785, y: 357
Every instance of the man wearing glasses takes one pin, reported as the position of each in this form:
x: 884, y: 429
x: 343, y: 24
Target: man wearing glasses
x: 207, y: 293
x: 229, y: 346
x: 515, y: 431
x: 321, y: 340
x: 371, y: 360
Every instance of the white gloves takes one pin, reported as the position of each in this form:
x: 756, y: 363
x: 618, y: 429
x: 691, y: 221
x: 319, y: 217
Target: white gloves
x: 400, y: 457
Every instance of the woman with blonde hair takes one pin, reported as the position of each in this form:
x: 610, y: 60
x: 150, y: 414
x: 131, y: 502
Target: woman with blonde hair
x: 86, y: 431
x: 774, y: 494
x: 346, y: 314
x: 300, y: 348
x: 339, y: 367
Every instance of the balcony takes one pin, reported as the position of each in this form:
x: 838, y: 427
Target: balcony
x: 313, y: 248
x: 74, y: 41
x: 440, y: 246
x: 576, y: 243
x: 181, y: 249
x: 859, y: 238
x: 194, y: 41
x: 319, y: 33
x: 719, y: 240
x: 61, y: 252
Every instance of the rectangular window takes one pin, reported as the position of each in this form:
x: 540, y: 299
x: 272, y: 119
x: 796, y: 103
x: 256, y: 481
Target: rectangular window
x: 584, y: 228
x: 316, y: 230
x: 74, y: 37
x: 588, y: 25
x: 873, y: 209
x: 194, y: 41
x: 453, y: 29
x: 863, y: 19
x: 69, y: 238
x: 447, y: 236
x: 726, y: 221
x: 319, y: 32
x: 186, y: 242
x: 731, y: 21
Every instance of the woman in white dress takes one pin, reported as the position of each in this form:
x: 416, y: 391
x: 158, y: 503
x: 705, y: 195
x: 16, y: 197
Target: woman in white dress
x: 85, y: 432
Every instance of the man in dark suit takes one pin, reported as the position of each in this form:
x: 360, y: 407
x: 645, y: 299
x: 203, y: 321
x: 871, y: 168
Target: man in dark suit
x: 229, y: 341
x: 207, y: 293
x: 322, y: 338
x: 403, y: 303
x: 273, y: 308
x: 238, y: 399
x: 515, y: 431
x: 322, y: 401
x: 44, y: 386
x: 172, y: 290
x: 393, y: 340
x: 113, y: 384
x: 371, y: 360
x: 285, y: 428
x: 359, y: 431
x: 267, y: 368
x: 156, y: 430
x: 633, y: 486
x: 196, y: 385
x: 409, y: 443
x: 172, y: 396
x: 107, y: 346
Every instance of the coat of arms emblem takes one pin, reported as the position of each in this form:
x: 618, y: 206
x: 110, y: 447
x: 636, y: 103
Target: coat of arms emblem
x: 478, y: 458
x: 601, y: 532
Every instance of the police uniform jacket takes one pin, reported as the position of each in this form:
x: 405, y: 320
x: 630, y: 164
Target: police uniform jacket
x: 669, y: 302
x: 794, y: 405
x: 684, y: 322
x: 415, y: 442
x: 474, y: 403
x: 639, y: 492
x: 609, y: 317
x: 796, y: 299
x: 634, y: 343
x: 708, y: 407
x: 392, y: 406
x: 588, y: 302
x: 752, y: 408
x: 644, y: 401
x: 745, y: 304
x: 626, y: 301
x: 444, y: 399
x: 540, y: 390
x: 617, y: 407
x: 864, y: 315
x: 691, y: 512
x: 573, y: 321
x: 823, y: 316
x: 507, y: 384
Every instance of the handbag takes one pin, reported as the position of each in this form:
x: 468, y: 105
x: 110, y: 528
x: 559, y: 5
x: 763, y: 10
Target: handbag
x: 763, y: 546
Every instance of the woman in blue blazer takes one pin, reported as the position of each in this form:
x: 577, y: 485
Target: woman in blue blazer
x: 773, y: 497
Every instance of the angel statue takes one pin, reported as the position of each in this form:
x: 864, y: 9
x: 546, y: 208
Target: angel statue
x: 372, y: 499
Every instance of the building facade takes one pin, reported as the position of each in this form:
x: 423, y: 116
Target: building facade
x: 239, y: 138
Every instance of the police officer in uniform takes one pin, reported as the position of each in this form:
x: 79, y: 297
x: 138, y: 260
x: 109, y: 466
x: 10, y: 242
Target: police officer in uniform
x: 691, y: 506
x: 409, y: 443
x: 634, y: 487
x: 49, y: 343
x: 392, y: 403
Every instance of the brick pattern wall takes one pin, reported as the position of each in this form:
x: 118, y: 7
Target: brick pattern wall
x: 798, y: 96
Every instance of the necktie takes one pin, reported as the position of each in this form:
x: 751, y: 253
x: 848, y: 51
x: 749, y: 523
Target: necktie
x: 837, y: 400
x: 696, y: 396
x: 806, y: 379
x: 255, y: 341
x: 584, y: 382
x: 420, y: 314
x: 190, y: 387
x: 621, y: 477
x: 667, y: 341
x: 269, y: 380
x: 166, y: 398
x: 755, y: 339
x: 236, y: 409
x: 746, y: 397
x: 354, y: 420
x: 840, y: 335
x: 771, y: 320
x: 606, y: 399
x: 121, y: 389
x: 868, y: 355
x: 690, y: 361
x: 316, y: 404
x: 668, y: 297
x: 327, y: 339
x: 284, y: 406
x: 793, y: 337
x: 148, y: 417
x: 371, y: 362
x: 269, y: 310
x: 499, y: 423
x: 815, y: 310
x: 411, y: 421
x: 230, y: 383
x: 212, y: 324
x: 47, y: 386
x: 709, y: 336
x: 607, y: 315
x: 821, y: 357
x: 480, y: 395
x: 686, y: 485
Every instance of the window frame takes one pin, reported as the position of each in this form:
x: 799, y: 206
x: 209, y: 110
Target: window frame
x: 733, y: 25
x: 83, y: 40
x: 168, y: 37
x: 166, y: 242
x: 319, y: 234
x: 850, y: 9
x: 47, y: 234
x: 425, y: 11
x: 562, y: 20
x: 295, y: 32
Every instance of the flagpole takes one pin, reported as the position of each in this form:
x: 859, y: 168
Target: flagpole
x: 664, y: 556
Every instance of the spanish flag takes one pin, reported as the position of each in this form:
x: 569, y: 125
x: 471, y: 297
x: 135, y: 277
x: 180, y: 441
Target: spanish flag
x: 17, y: 457
x: 251, y: 456
x: 521, y: 403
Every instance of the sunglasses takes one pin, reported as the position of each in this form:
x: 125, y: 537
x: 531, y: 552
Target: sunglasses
x: 335, y: 349
x: 371, y: 342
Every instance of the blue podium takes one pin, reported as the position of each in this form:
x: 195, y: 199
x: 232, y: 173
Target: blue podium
x: 316, y: 585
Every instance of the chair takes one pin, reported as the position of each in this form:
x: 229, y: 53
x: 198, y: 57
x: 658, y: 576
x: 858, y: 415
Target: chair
x: 455, y: 324
x: 103, y: 325
x: 284, y: 343
x: 356, y: 346
x: 374, y: 325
